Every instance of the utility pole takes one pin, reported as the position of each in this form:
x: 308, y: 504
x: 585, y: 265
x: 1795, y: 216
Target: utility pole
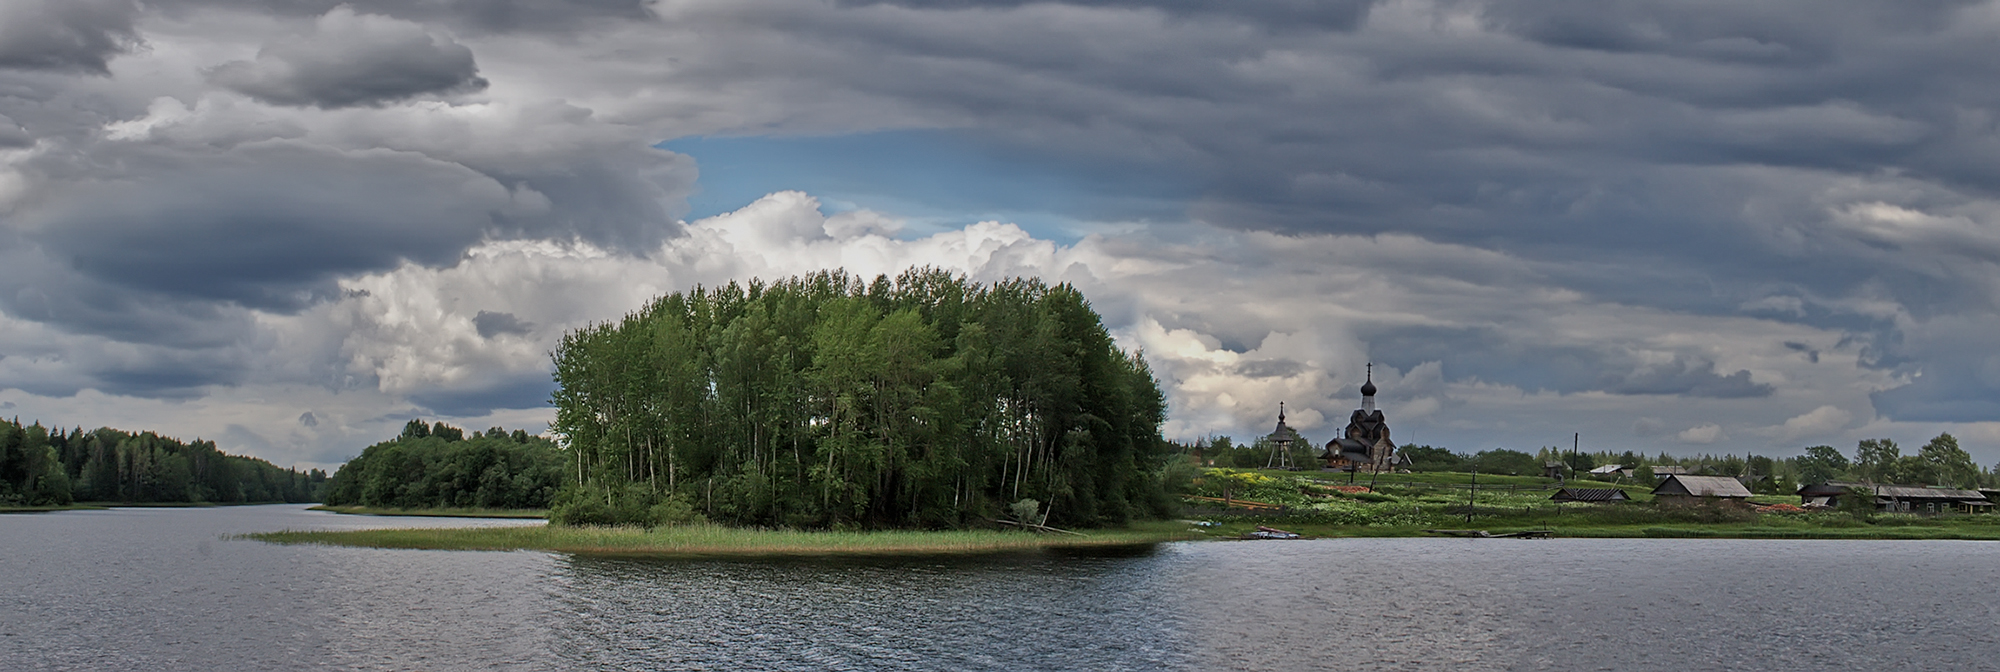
x: 1471, y: 494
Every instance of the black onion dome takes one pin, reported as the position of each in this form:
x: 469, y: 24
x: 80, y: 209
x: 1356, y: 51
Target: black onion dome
x: 1368, y: 388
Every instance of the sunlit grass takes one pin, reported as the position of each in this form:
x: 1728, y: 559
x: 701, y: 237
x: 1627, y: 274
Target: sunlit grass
x: 442, y: 513
x: 712, y: 540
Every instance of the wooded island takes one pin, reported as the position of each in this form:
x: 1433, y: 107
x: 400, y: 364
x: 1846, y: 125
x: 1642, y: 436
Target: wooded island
x: 826, y: 401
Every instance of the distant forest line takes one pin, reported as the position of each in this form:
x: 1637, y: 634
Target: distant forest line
x: 43, y: 467
x: 440, y: 466
x: 1939, y: 462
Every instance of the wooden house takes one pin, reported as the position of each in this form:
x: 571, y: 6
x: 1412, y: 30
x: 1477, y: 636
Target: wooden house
x: 1825, y: 495
x: 1686, y: 489
x: 1912, y: 499
x: 1897, y: 498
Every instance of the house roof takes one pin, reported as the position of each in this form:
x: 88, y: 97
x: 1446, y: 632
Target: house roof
x: 1669, y: 469
x: 1914, y: 492
x: 1606, y: 469
x: 1589, y: 495
x: 1829, y: 488
x: 1702, y: 486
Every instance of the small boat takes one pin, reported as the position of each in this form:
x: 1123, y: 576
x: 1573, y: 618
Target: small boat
x: 1270, y: 533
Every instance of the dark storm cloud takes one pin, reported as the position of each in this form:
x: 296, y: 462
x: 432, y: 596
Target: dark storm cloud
x: 1489, y: 354
x: 1685, y: 157
x: 267, y: 226
x: 1948, y: 394
x: 499, y: 16
x: 523, y: 391
x: 1273, y: 14
x: 1690, y: 158
x: 490, y: 324
x: 1689, y: 377
x: 351, y: 60
x: 65, y: 35
x: 1269, y: 368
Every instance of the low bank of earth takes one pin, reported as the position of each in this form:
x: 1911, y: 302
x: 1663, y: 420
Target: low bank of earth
x: 54, y: 507
x: 100, y: 506
x: 717, y: 540
x: 1982, y: 527
x: 438, y: 513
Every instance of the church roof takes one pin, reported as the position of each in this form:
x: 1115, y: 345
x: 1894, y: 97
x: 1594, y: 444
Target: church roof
x: 1283, y: 432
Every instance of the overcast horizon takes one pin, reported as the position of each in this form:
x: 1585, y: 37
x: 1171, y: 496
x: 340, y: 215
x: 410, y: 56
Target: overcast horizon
x: 1683, y: 227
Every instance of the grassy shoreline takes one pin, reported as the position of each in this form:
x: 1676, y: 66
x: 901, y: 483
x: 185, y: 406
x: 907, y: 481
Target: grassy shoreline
x: 102, y: 506
x: 57, y: 507
x: 436, y: 513
x: 1966, y: 528
x: 717, y: 540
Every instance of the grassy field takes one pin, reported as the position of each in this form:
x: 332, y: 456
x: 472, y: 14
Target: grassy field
x: 1405, y: 505
x: 716, y: 540
x: 443, y: 513
x: 1985, y: 527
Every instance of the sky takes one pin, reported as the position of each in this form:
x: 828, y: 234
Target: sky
x: 289, y: 226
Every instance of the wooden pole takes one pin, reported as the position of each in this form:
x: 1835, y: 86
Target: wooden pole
x: 1470, y: 495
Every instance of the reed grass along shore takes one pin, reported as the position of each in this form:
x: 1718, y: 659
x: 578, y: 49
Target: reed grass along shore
x: 717, y: 540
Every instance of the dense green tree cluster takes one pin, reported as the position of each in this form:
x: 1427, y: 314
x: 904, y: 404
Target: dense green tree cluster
x: 1940, y: 462
x: 39, y: 467
x: 824, y: 400
x: 438, y: 466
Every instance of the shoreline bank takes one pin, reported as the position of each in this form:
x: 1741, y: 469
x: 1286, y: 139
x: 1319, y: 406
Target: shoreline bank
x: 720, y: 541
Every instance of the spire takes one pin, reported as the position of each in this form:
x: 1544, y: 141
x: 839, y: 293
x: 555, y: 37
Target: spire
x: 1281, y: 412
x: 1368, y: 390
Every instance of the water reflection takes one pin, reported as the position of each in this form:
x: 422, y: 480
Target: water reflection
x: 167, y: 589
x: 1014, y: 612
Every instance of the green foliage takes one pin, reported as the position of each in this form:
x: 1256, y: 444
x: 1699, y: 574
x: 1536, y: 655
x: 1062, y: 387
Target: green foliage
x: 1505, y: 461
x: 1177, y: 477
x: 1875, y: 459
x: 1821, y: 464
x: 824, y: 401
x: 1025, y: 511
x: 632, y: 504
x: 43, y: 468
x: 1644, y: 475
x: 1949, y: 464
x: 1426, y: 458
x: 434, y: 466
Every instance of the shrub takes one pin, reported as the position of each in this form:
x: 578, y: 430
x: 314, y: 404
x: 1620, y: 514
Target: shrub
x: 632, y: 504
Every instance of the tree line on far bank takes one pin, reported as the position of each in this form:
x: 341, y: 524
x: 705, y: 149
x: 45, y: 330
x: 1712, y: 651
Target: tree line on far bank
x: 1940, y: 462
x: 829, y: 401
x: 440, y: 466
x: 43, y: 467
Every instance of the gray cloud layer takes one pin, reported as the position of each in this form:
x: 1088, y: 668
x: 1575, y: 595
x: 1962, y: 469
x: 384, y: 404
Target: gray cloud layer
x: 174, y: 174
x: 351, y: 60
x: 65, y: 35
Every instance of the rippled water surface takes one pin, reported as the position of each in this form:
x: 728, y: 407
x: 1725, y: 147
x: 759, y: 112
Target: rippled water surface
x: 163, y: 589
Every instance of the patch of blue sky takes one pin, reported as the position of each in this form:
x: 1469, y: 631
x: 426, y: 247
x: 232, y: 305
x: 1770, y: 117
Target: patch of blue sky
x: 934, y: 180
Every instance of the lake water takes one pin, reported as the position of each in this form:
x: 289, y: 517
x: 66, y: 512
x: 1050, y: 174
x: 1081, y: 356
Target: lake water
x: 162, y: 589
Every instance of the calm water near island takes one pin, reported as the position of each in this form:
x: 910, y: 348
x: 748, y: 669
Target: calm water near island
x: 162, y: 589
